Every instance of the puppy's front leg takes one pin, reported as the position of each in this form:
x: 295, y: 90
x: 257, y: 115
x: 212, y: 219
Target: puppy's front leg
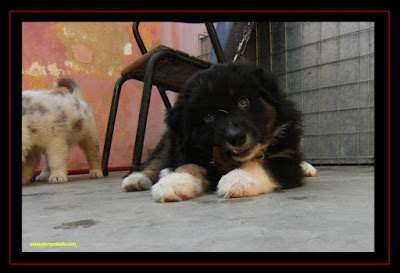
x: 248, y: 180
x: 186, y: 182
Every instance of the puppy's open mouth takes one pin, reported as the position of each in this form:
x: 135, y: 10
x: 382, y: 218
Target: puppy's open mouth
x: 241, y: 153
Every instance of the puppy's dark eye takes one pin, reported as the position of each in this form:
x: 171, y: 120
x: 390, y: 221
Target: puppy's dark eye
x: 208, y: 117
x: 243, y: 103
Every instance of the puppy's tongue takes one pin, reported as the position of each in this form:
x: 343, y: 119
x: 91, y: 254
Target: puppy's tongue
x: 222, y: 161
x: 240, y: 151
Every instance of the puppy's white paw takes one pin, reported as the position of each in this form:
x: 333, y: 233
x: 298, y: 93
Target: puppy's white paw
x: 308, y: 169
x: 241, y: 183
x: 58, y: 178
x: 136, y: 182
x: 95, y: 174
x: 176, y: 187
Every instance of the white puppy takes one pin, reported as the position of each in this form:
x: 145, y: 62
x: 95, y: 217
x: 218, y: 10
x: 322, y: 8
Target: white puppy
x: 52, y: 121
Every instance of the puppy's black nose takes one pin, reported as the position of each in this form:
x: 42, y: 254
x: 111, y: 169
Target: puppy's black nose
x: 236, y: 136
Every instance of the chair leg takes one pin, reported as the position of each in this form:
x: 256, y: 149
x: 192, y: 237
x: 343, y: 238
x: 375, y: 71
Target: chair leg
x: 215, y: 42
x: 144, y: 106
x: 164, y: 97
x: 111, y: 124
x: 142, y: 121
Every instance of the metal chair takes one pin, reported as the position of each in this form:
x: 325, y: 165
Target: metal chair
x: 164, y: 67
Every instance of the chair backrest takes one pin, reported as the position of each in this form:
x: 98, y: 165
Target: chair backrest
x: 217, y: 49
x: 171, y: 70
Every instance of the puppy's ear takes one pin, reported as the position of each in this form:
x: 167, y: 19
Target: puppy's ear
x: 176, y: 121
x: 273, y: 94
x: 269, y: 86
x: 174, y: 117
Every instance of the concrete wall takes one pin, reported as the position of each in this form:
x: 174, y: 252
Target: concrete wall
x: 94, y: 53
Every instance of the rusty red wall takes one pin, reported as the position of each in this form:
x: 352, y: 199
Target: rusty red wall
x: 94, y: 53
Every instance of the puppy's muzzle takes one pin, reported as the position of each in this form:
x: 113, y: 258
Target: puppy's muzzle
x: 236, y: 136
x: 239, y: 143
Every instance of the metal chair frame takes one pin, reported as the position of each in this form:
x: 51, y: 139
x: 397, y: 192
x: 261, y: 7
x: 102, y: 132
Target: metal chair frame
x: 164, y: 54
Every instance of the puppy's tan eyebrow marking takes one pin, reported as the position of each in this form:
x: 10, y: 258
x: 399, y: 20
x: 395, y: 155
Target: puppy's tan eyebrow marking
x: 224, y: 111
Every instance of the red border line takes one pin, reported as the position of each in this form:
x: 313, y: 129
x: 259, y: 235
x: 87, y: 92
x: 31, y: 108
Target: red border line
x: 124, y: 168
x: 202, y: 264
x: 9, y: 137
x: 389, y: 137
x: 201, y: 11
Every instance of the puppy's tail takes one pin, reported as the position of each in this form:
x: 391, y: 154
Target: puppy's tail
x: 70, y: 84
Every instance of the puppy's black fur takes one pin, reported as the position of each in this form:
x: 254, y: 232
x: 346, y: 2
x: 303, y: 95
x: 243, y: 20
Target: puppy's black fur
x: 232, y: 107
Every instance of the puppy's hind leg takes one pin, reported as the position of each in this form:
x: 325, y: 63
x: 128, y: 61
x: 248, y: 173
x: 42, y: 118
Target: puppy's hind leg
x: 29, y: 164
x: 57, y: 154
x: 45, y: 173
x: 90, y: 145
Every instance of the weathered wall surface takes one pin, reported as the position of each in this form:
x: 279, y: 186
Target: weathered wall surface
x: 94, y: 53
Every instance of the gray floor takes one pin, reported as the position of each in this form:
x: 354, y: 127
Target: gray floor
x: 332, y: 212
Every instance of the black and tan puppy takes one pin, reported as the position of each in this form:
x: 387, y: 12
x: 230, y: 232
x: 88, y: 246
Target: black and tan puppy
x: 231, y: 128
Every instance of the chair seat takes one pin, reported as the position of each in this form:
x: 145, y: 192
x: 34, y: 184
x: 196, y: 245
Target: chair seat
x: 171, y: 71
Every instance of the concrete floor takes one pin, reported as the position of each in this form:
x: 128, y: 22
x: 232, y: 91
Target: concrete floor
x: 332, y: 212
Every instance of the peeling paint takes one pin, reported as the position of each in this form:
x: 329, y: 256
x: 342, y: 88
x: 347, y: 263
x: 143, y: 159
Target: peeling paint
x: 75, y: 66
x: 128, y: 49
x: 111, y: 70
x: 68, y: 33
x: 54, y: 70
x: 82, y: 53
x: 36, y: 70
x: 90, y: 48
